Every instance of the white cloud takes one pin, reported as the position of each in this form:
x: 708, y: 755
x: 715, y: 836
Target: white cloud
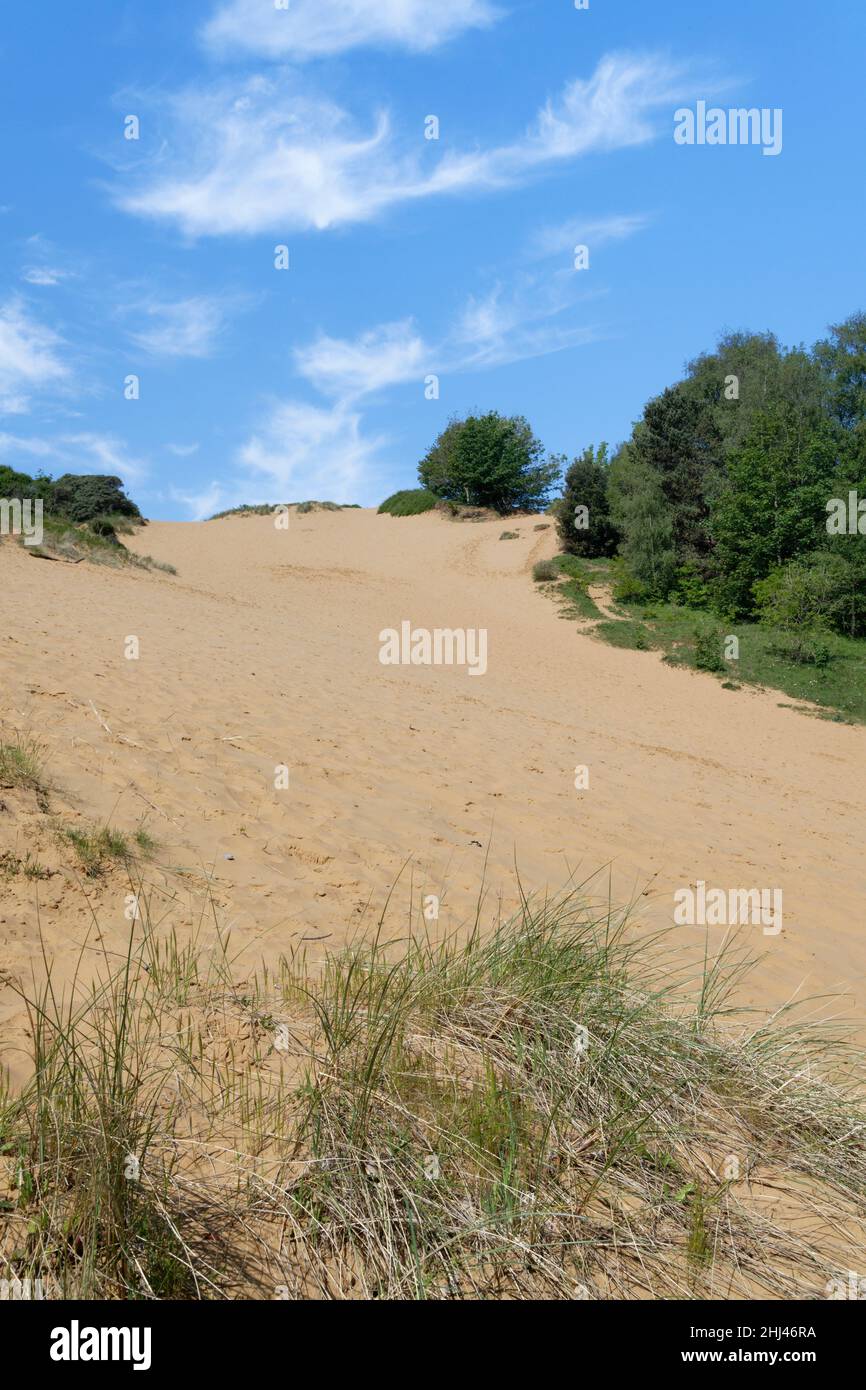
x: 30, y: 358
x: 562, y: 238
x: 185, y: 328
x: 44, y: 275
x: 215, y: 498
x: 385, y: 356
x: 313, y: 28
x: 264, y: 158
x: 310, y: 450
x: 86, y: 452
x: 182, y: 451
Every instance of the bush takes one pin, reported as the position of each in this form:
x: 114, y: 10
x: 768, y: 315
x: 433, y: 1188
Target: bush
x: 92, y: 495
x: 409, y: 502
x: 545, y: 570
x: 490, y: 461
x: 626, y: 588
x: 708, y: 650
x: 811, y: 595
x: 591, y: 533
x: 803, y: 649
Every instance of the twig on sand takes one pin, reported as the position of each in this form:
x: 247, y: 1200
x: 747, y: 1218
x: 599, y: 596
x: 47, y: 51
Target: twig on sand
x: 100, y: 718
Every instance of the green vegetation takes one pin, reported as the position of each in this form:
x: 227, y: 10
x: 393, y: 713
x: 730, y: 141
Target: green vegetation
x: 737, y: 507
x: 409, y: 502
x: 490, y: 461
x: 583, y: 512
x: 21, y: 765
x: 269, y: 508
x: 547, y: 1110
x: 98, y: 847
x: 83, y: 517
x: 545, y: 571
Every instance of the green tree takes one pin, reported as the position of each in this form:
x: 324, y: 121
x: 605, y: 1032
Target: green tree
x: 843, y: 359
x: 586, y: 483
x: 643, y: 516
x: 773, y: 504
x: 679, y: 443
x: 83, y: 497
x: 815, y: 594
x: 490, y: 461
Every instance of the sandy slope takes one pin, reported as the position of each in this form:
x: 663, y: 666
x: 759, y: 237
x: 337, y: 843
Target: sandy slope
x: 264, y: 650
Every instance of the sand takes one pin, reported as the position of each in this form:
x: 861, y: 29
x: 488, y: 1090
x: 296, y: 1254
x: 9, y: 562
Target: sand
x: 264, y: 650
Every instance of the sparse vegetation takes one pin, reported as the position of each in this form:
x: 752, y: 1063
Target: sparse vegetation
x: 98, y: 847
x: 544, y: 1111
x: 545, y: 571
x: 21, y: 765
x: 409, y: 502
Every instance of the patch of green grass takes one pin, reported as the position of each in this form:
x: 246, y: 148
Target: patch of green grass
x: 11, y: 866
x: 98, y: 847
x: 634, y: 636
x: 409, y: 502
x: 21, y: 765
x: 687, y: 636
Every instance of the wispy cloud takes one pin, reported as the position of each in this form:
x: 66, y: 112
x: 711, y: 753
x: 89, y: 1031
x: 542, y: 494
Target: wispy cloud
x: 30, y: 358
x: 591, y: 232
x: 322, y: 450
x: 43, y: 275
x: 183, y: 451
x: 262, y: 157
x: 349, y: 368
x: 85, y: 452
x: 183, y: 328
x: 313, y: 28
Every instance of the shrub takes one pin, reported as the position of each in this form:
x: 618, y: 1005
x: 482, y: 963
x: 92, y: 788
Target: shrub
x: 544, y: 571
x: 409, y: 502
x: 92, y: 495
x: 626, y: 587
x: 490, y: 461
x: 708, y: 650
x: 811, y: 595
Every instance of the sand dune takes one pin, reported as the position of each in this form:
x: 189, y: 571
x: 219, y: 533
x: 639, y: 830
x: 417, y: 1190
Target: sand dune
x: 264, y: 650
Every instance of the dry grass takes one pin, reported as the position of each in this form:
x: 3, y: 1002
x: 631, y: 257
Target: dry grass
x: 535, y: 1112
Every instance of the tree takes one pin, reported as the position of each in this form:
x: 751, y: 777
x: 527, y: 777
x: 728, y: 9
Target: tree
x: 679, y: 443
x: 586, y: 487
x: 843, y: 358
x: 815, y: 594
x: 773, y: 505
x: 21, y: 485
x: 642, y: 514
x: 82, y: 497
x: 490, y: 461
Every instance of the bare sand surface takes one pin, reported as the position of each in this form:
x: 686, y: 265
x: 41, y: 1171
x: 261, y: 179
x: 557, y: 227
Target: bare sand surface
x: 264, y: 650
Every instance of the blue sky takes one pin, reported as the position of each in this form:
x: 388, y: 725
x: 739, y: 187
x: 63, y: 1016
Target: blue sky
x: 305, y: 127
